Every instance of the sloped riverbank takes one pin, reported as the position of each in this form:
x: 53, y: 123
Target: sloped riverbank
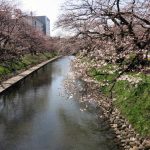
x: 125, y: 133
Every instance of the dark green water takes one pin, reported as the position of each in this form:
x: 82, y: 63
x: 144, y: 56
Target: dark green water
x: 34, y: 116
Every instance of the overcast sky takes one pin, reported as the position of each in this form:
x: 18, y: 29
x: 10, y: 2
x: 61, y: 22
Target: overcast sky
x: 49, y: 8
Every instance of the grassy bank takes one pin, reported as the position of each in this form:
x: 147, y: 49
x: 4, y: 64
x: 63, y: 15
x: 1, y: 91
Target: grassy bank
x: 9, y: 69
x: 131, y: 95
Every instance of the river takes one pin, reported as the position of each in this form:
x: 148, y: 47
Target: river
x: 34, y: 115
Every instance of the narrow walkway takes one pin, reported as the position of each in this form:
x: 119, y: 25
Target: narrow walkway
x: 6, y: 84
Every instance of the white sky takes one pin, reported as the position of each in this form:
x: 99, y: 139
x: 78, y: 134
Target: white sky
x: 49, y: 8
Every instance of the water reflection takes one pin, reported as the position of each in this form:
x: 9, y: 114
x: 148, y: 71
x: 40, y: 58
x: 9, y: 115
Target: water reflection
x: 33, y: 116
x: 19, y: 100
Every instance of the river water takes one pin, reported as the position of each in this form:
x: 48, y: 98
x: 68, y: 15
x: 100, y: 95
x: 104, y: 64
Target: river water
x: 35, y: 116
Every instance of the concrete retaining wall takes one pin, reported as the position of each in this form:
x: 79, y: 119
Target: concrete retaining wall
x: 8, y: 83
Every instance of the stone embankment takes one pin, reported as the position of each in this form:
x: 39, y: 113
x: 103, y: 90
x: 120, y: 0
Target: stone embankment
x: 8, y: 83
x: 130, y: 140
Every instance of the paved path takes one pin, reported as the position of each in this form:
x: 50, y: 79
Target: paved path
x: 6, y: 84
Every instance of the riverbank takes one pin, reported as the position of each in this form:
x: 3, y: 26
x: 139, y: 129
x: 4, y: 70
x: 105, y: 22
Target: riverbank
x: 131, y: 138
x: 23, y: 68
x: 11, y: 68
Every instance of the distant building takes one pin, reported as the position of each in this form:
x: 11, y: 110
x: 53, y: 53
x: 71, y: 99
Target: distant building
x: 46, y: 24
x: 41, y: 23
x: 34, y: 22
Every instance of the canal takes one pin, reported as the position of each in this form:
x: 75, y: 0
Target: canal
x: 34, y: 115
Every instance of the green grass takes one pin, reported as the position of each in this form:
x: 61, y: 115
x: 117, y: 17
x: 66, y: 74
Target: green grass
x: 11, y: 68
x: 133, y: 101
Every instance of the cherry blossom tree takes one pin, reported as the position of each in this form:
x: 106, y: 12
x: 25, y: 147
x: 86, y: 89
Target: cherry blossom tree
x: 17, y: 37
x: 116, y: 29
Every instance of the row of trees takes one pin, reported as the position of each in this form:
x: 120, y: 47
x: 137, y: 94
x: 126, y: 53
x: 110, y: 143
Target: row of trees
x: 17, y: 37
x: 115, y: 30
